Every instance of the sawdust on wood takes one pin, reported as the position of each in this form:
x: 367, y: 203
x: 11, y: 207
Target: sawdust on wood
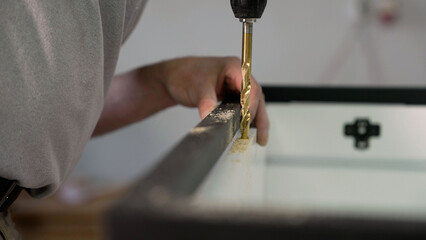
x: 219, y: 116
x: 239, y: 146
x: 223, y: 115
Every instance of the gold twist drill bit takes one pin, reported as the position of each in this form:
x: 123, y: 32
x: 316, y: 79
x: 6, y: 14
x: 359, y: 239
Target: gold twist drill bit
x: 246, y: 72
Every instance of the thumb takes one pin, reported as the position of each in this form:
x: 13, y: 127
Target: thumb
x: 207, y: 104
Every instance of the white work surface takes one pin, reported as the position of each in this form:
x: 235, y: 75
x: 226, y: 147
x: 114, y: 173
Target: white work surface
x: 310, y: 166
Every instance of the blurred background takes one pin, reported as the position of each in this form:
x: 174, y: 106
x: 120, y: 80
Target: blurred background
x: 296, y: 42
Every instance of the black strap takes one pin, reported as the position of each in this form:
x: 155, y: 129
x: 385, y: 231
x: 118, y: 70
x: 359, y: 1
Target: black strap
x: 9, y: 191
x: 2, y: 236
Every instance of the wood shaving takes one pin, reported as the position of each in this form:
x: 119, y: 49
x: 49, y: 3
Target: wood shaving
x: 239, y: 146
x: 223, y: 115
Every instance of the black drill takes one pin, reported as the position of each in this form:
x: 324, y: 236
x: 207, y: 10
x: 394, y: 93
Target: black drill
x: 245, y: 9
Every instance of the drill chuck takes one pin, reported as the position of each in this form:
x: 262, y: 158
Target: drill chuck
x: 245, y: 9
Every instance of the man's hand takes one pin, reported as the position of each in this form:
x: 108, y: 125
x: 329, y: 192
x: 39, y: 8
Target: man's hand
x: 191, y: 81
x: 201, y: 82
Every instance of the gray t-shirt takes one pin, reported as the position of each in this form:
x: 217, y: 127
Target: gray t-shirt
x: 57, y: 58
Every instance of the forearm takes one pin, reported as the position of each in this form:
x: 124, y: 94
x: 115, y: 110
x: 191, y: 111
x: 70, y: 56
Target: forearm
x: 133, y: 96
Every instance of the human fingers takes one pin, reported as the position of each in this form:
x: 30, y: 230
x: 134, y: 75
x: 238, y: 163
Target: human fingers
x: 262, y: 122
x: 233, y: 75
x: 255, y: 96
x: 258, y: 113
x: 207, y: 100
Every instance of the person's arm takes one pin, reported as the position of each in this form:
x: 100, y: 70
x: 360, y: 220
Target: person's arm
x: 192, y: 81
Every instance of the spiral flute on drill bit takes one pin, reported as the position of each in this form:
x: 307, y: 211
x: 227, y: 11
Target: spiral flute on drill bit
x: 247, y: 11
x: 246, y: 72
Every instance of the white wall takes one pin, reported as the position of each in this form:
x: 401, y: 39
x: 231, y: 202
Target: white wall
x: 294, y: 43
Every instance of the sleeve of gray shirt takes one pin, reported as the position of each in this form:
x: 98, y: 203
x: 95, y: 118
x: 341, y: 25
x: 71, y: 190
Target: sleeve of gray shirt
x: 57, y: 58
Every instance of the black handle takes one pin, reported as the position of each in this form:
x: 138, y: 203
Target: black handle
x: 248, y: 8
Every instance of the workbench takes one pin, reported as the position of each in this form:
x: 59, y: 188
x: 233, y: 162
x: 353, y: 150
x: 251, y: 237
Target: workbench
x: 342, y: 163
